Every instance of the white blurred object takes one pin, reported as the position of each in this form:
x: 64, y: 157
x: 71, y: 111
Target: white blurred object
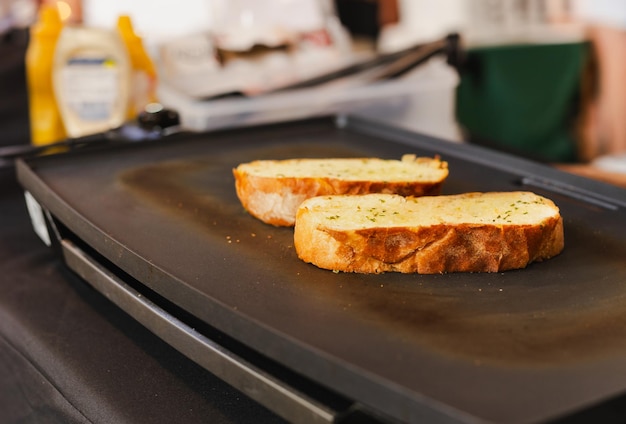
x: 527, y: 21
x: 602, y: 12
x: 240, y: 24
x: 189, y: 54
x: 17, y: 14
x: 252, y: 47
x: 611, y: 163
x: 190, y: 65
x: 92, y: 79
x: 483, y: 22
x: 155, y: 20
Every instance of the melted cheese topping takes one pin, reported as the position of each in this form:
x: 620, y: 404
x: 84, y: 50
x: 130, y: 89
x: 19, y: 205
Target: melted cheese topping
x: 366, y: 169
x: 382, y: 210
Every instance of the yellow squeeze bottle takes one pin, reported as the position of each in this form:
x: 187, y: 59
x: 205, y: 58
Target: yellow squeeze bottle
x: 144, y: 76
x: 46, y: 124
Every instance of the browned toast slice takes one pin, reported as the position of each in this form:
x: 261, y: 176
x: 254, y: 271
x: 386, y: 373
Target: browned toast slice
x: 471, y: 232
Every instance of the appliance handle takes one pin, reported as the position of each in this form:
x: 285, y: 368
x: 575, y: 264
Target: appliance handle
x: 262, y: 387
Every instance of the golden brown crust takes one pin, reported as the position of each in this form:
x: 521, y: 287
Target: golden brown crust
x: 274, y: 200
x: 433, y: 249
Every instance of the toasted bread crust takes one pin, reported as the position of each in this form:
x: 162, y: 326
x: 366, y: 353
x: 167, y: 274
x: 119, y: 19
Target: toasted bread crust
x: 432, y: 249
x: 275, y: 199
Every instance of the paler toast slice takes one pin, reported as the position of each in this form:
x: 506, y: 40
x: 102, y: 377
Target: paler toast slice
x: 272, y: 190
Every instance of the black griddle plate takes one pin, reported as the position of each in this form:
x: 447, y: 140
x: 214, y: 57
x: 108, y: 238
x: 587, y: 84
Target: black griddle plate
x: 523, y: 346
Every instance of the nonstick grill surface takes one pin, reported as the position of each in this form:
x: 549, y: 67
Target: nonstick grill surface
x: 522, y: 346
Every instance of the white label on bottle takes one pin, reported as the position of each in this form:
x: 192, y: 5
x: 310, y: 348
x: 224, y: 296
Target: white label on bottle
x: 90, y: 87
x: 37, y: 219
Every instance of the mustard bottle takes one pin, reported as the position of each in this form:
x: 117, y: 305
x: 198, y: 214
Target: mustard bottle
x: 144, y: 75
x: 46, y: 124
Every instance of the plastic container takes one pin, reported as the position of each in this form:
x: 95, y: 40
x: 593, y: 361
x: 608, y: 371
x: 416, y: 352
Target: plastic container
x: 46, y: 124
x: 423, y: 101
x: 91, y: 79
x: 144, y: 75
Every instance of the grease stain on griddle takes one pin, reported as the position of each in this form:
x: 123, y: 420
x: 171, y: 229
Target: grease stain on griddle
x: 170, y: 186
x: 554, y: 312
x: 542, y: 315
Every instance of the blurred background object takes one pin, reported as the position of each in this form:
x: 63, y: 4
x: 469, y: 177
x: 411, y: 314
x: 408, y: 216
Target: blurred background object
x: 521, y: 83
x: 604, y: 125
x: 267, y: 60
x: 155, y: 20
x: 543, y: 78
x: 71, y: 11
x: 367, y: 18
x: 46, y: 123
x: 253, y: 47
x: 17, y: 14
x: 521, y: 87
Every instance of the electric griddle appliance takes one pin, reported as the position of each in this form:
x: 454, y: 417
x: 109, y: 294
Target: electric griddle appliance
x: 157, y: 228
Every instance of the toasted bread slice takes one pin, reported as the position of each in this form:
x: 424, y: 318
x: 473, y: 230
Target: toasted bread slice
x: 272, y: 190
x: 472, y: 232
